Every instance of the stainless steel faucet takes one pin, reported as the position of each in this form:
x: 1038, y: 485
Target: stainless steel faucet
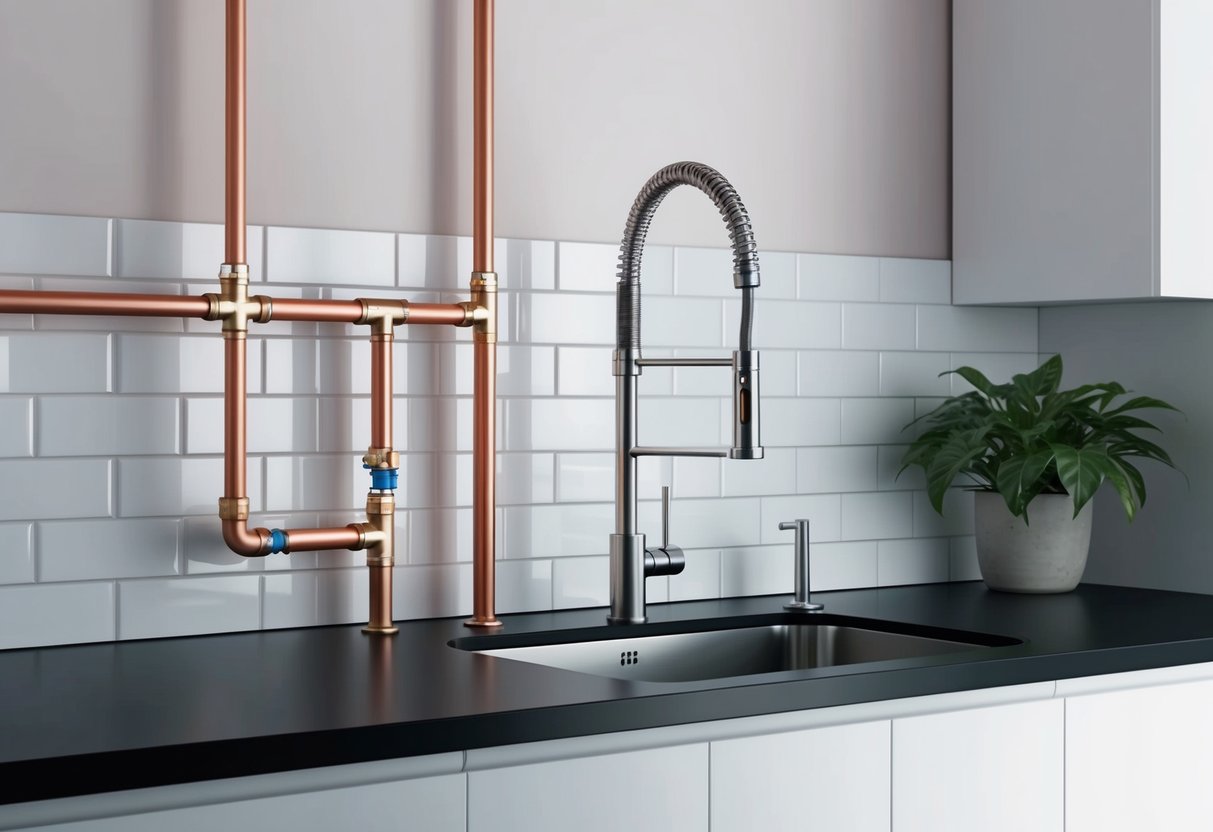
x: 631, y: 561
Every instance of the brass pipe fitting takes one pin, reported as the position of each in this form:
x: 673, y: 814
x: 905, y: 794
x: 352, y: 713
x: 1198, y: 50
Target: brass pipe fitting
x: 233, y: 305
x: 381, y: 458
x: 379, y: 533
x: 482, y: 308
x: 383, y: 315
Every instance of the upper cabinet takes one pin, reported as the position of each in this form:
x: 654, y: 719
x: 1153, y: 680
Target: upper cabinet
x: 1082, y: 135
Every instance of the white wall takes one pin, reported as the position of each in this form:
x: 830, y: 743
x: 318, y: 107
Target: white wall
x: 1161, y: 350
x: 830, y: 116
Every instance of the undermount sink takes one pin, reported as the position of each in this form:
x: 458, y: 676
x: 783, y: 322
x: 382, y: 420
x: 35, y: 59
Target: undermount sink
x: 696, y: 650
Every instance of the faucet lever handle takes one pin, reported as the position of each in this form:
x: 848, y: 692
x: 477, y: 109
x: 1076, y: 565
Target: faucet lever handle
x: 665, y: 517
x: 800, y: 599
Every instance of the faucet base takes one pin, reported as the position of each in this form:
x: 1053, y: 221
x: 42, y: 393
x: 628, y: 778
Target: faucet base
x: 380, y: 631
x: 803, y: 606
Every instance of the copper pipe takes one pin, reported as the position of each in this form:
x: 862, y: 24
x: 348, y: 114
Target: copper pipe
x: 380, y: 619
x: 324, y: 311
x: 452, y: 314
x: 234, y: 393
x: 244, y: 541
x: 316, y: 540
x: 102, y: 303
x: 484, y: 498
x: 234, y: 166
x: 484, y: 363
x: 381, y: 390
x: 482, y: 127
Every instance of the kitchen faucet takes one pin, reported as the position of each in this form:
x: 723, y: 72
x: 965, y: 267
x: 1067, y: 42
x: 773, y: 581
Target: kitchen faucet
x: 631, y: 561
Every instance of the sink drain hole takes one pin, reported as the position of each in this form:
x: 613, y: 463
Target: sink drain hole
x: 629, y: 657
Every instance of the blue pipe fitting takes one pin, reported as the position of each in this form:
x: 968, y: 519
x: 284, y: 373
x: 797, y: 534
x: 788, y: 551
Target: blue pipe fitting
x: 278, y: 541
x: 384, y: 479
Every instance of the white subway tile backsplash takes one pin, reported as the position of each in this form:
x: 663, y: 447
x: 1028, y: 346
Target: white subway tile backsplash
x: 709, y: 272
x: 878, y: 326
x: 305, y: 599
x: 914, y: 373
x: 756, y: 570
x: 921, y: 561
x: 82, y: 550
x: 41, y: 614
x: 915, y: 281
x: 432, y: 591
x: 786, y: 324
x: 975, y: 328
x: 178, y: 251
x: 883, y: 515
x: 160, y: 486
x: 844, y: 566
x: 875, y: 421
x: 16, y: 417
x: 170, y: 364
x: 795, y: 422
x: 852, y: 348
x: 108, y: 425
x: 774, y: 473
x: 33, y: 489
x: 580, y: 582
x: 833, y: 470
x: 311, y: 255
x: 524, y: 585
x: 592, y: 267
x: 161, y: 607
x: 16, y: 553
x: 54, y: 363
x: 836, y: 373
x: 48, y: 244
x: 838, y: 277
x: 558, y: 530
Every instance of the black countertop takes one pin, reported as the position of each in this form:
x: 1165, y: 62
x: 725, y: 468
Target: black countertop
x: 104, y: 717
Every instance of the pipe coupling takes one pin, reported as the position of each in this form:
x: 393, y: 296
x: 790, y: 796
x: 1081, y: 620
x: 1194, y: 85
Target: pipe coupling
x: 233, y: 508
x: 383, y: 315
x: 381, y: 458
x: 482, y: 308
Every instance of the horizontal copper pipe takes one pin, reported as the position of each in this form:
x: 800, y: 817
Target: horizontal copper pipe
x: 381, y: 391
x: 452, y: 314
x: 103, y: 303
x: 315, y: 540
x: 322, y: 311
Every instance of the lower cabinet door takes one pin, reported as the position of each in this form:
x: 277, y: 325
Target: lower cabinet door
x: 1140, y: 759
x: 834, y: 778
x: 427, y: 804
x: 659, y: 790
x: 995, y: 769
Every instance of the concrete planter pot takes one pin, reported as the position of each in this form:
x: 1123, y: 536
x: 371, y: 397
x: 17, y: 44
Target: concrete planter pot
x: 1047, y: 556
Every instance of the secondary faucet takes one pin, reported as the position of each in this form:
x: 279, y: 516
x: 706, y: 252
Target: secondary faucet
x: 631, y: 561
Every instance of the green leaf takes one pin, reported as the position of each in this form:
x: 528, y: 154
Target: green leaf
x: 951, y: 460
x: 1019, y: 479
x: 1042, y: 381
x: 1081, y: 472
x: 1141, y: 403
x: 1120, y: 480
x: 974, y: 377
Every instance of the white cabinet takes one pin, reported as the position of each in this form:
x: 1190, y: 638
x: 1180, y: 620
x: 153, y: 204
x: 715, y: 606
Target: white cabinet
x: 993, y: 769
x: 1140, y: 759
x: 428, y: 804
x: 824, y: 778
x: 658, y: 790
x: 1081, y: 165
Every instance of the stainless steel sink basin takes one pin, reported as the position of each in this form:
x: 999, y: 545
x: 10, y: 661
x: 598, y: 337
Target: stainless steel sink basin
x: 754, y: 647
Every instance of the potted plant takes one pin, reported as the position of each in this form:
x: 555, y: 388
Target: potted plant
x: 1035, y: 455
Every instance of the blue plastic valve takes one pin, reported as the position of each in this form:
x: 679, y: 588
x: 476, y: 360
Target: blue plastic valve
x: 384, y: 479
x: 277, y: 541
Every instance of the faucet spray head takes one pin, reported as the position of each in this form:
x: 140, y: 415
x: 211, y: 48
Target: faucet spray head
x: 747, y: 438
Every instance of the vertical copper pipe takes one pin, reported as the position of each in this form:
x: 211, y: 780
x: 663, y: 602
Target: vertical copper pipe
x: 234, y: 388
x: 482, y: 118
x: 380, y: 619
x: 381, y: 390
x: 234, y: 224
x: 484, y: 365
